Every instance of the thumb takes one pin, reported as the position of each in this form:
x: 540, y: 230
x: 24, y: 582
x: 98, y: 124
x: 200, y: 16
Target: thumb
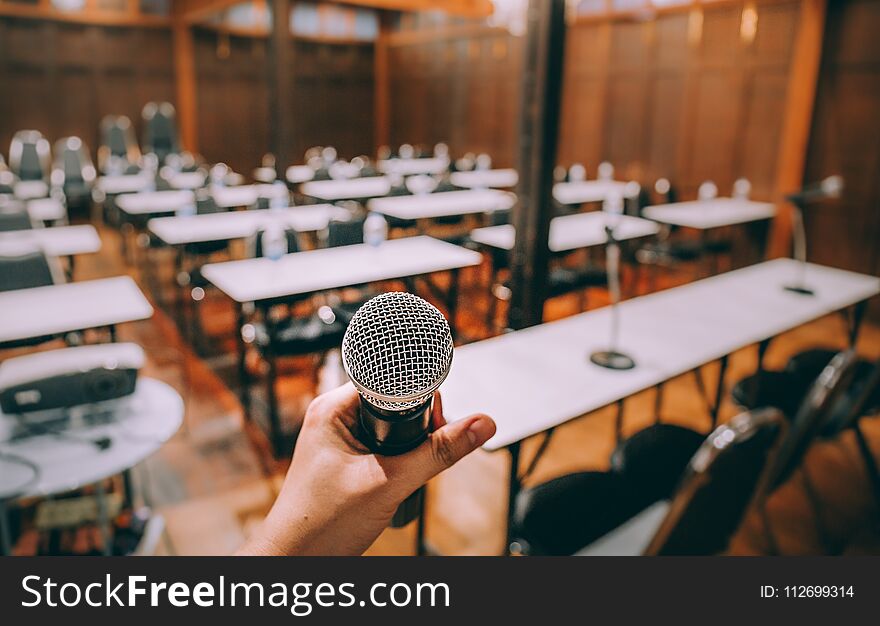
x: 443, y: 449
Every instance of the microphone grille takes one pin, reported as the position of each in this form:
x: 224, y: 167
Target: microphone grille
x: 397, y: 350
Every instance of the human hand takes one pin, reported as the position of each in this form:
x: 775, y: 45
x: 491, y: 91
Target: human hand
x: 338, y: 496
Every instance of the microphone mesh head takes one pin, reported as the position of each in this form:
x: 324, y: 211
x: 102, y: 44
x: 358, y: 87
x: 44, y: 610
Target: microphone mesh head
x: 397, y: 350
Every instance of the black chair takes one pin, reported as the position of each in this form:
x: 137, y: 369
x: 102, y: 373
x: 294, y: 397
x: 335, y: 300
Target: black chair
x: 74, y: 172
x: 612, y: 514
x: 12, y: 219
x: 25, y: 269
x: 29, y: 156
x: 7, y: 179
x: 345, y: 232
x: 160, y: 130
x: 119, y: 152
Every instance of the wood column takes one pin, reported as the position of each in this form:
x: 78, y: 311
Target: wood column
x: 279, y: 67
x: 185, y: 84
x: 798, y: 118
x: 539, y: 137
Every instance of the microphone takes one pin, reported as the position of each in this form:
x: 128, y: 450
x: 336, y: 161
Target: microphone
x: 830, y: 187
x: 397, y: 351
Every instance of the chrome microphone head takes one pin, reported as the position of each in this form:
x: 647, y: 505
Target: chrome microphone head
x: 397, y: 351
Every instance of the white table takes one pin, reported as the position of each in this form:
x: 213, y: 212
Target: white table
x: 55, y: 241
x: 571, y: 232
x: 180, y: 230
x: 351, y: 189
x: 708, y: 214
x: 434, y: 205
x: 30, y: 189
x: 140, y: 425
x: 57, y: 309
x: 588, y: 191
x: 535, y: 379
x: 491, y: 179
x: 46, y: 210
x: 150, y: 202
x: 187, y: 180
x: 244, y: 195
x: 122, y: 183
x: 410, y: 167
x: 297, y: 174
x: 257, y: 280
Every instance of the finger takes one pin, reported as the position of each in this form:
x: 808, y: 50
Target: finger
x: 437, y: 419
x: 443, y: 449
x: 340, y: 403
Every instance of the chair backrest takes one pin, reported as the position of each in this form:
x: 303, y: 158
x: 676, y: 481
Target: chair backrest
x: 160, y: 129
x: 72, y: 162
x: 23, y: 271
x: 861, y: 399
x: 345, y: 233
x: 117, y: 140
x: 29, y: 155
x: 205, y: 203
x: 254, y: 243
x: 665, y: 192
x: 810, y: 418
x: 718, y: 486
x: 15, y: 220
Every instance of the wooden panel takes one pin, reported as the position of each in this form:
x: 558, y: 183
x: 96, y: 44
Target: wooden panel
x: 846, y: 140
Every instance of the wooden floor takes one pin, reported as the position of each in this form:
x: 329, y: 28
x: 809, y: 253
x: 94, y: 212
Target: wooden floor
x: 214, y: 481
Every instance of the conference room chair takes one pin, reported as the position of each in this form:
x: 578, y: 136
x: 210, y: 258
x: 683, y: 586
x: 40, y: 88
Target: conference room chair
x: 23, y: 266
x: 74, y: 172
x: 577, y: 173
x: 615, y: 513
x: 384, y: 153
x: 160, y: 130
x: 344, y: 232
x: 466, y: 163
x: 29, y: 156
x: 266, y: 173
x: 14, y: 216
x: 119, y: 152
x: 7, y: 179
x: 368, y: 167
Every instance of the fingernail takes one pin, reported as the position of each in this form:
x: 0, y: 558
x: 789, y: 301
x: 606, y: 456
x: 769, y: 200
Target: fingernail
x: 480, y: 430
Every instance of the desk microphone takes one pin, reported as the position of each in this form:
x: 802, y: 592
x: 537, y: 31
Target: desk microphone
x: 830, y: 187
x: 397, y: 351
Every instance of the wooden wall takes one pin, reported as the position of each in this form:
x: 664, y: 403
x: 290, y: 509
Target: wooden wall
x: 640, y: 93
x: 61, y: 78
x: 332, y: 101
x: 846, y: 140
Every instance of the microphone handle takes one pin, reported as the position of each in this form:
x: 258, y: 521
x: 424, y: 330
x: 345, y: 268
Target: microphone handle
x: 396, y: 432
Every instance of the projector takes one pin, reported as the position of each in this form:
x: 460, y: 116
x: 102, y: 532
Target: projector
x: 69, y: 377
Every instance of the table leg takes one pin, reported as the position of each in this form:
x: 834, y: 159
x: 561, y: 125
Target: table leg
x: 103, y: 518
x: 452, y: 300
x: 513, y: 491
x: 858, y: 314
x: 719, y: 391
x: 5, y: 536
x: 243, y: 379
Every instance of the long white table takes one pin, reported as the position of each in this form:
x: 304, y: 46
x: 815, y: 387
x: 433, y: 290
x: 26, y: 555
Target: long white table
x: 571, y: 232
x: 409, y: 167
x: 588, y: 191
x: 533, y: 380
x: 150, y: 202
x: 180, y: 230
x: 448, y: 203
x: 188, y: 180
x: 351, y: 189
x: 46, y: 209
x: 30, y: 189
x: 256, y: 280
x: 57, y: 309
x: 244, y: 195
x: 122, y: 183
x: 55, y: 241
x: 708, y: 214
x: 296, y: 174
x: 491, y: 179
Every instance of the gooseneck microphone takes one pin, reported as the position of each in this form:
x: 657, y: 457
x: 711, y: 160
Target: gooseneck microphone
x: 397, y: 351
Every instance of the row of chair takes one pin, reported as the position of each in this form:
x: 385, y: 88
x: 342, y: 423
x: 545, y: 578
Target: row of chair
x: 672, y: 490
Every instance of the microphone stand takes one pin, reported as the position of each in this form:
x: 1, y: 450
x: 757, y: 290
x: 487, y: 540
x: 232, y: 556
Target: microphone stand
x: 799, y: 235
x: 612, y: 358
